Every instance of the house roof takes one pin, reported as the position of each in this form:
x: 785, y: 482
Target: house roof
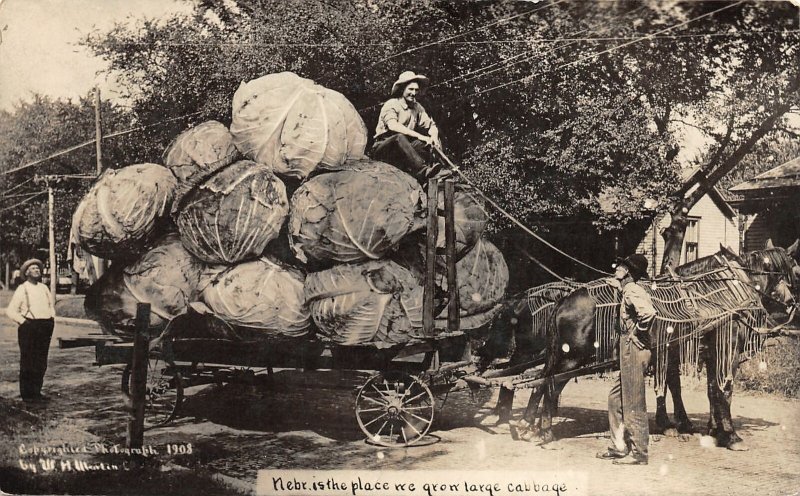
x: 786, y: 175
x: 687, y: 174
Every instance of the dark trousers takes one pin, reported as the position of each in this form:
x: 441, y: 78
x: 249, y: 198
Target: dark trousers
x: 407, y: 154
x: 34, y: 344
x: 627, y: 408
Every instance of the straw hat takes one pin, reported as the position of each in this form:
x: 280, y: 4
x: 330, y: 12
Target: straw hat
x: 27, y: 265
x: 406, y: 77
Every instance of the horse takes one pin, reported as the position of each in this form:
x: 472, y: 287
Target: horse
x: 699, y: 302
x: 776, y: 275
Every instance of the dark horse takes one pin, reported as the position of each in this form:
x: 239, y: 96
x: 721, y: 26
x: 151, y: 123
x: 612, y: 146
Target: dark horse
x: 573, y: 342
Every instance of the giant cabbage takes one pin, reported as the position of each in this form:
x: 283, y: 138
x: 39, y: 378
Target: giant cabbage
x: 354, y: 215
x: 469, y: 219
x: 234, y: 214
x: 376, y: 303
x: 260, y: 295
x: 295, y: 125
x: 198, y: 152
x: 482, y: 277
x: 167, y: 277
x: 121, y: 211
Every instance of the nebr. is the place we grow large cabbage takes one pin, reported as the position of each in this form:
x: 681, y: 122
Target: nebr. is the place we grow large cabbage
x: 262, y: 295
x: 122, y: 210
x: 234, y: 214
x: 354, y: 215
x: 294, y: 125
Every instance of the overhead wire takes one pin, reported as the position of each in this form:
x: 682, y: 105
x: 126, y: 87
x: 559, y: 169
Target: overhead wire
x: 596, y: 54
x: 23, y: 201
x: 484, y: 71
x: 92, y: 141
x: 449, y: 38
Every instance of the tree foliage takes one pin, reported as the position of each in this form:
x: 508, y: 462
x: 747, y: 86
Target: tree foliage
x: 559, y: 110
x: 37, y: 129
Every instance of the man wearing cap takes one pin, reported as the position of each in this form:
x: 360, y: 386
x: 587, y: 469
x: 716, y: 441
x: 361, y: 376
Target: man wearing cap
x: 405, y: 131
x: 627, y: 410
x: 31, y: 308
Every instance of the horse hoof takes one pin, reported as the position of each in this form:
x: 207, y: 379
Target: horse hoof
x: 738, y: 446
x: 686, y: 429
x: 671, y: 432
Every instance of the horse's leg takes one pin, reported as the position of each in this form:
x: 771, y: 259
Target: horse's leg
x: 526, y: 429
x: 674, y: 384
x: 731, y: 438
x: 546, y: 419
x: 663, y: 424
x: 505, y: 403
x: 711, y: 388
x: 727, y: 434
x: 550, y: 409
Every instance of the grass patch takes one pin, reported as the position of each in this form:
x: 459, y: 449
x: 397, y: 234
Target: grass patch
x: 776, y: 369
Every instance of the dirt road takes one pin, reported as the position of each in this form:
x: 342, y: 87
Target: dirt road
x: 238, y: 430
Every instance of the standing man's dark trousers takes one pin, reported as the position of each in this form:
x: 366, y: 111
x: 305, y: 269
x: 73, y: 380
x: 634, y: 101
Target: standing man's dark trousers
x: 407, y: 154
x: 627, y: 409
x: 34, y: 345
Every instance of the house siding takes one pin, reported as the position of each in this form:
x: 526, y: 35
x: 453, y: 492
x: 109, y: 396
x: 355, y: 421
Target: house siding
x: 714, y: 228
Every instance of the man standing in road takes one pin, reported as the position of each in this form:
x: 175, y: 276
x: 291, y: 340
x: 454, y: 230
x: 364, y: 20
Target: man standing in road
x: 31, y: 308
x: 405, y: 131
x: 627, y: 410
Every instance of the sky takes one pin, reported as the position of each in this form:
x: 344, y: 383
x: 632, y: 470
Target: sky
x: 38, y: 48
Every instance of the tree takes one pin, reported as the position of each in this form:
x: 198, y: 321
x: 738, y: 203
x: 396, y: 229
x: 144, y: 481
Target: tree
x: 37, y: 129
x: 559, y: 110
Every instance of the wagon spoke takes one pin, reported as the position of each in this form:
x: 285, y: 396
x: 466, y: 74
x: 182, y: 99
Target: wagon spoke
x: 420, y: 395
x: 362, y: 410
x: 405, y: 439
x: 381, y: 429
x: 379, y: 391
x: 412, y: 426
x: 420, y: 418
x: 377, y: 402
x: 375, y: 420
x: 426, y: 407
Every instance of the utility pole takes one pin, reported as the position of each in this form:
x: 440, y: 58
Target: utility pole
x: 98, y: 132
x: 98, y: 140
x: 51, y: 233
x: 51, y: 236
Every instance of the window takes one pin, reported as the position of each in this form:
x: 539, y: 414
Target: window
x: 691, y: 240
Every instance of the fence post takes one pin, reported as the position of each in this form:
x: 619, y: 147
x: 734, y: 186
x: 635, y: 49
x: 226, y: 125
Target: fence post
x: 137, y: 385
x: 453, y: 319
x: 428, y: 323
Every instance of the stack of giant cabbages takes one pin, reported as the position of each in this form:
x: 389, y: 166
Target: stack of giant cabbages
x: 280, y: 225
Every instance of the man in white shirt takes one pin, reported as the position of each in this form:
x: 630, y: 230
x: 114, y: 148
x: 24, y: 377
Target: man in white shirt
x: 405, y: 132
x: 31, y: 308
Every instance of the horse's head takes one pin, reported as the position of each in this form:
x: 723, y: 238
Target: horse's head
x: 776, y: 274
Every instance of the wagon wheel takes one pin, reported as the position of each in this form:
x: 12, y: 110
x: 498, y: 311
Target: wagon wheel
x: 394, y: 409
x: 163, y: 395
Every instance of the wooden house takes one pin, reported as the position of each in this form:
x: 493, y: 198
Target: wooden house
x: 769, y: 204
x: 712, y: 222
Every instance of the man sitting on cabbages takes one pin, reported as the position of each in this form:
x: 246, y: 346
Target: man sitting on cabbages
x: 405, y: 132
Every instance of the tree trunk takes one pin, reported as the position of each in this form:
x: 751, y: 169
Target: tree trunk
x: 710, y: 175
x: 673, y: 237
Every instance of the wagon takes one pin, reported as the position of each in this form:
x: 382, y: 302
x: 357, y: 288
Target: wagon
x: 395, y: 406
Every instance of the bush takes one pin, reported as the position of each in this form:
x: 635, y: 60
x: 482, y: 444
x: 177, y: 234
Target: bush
x: 776, y: 369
